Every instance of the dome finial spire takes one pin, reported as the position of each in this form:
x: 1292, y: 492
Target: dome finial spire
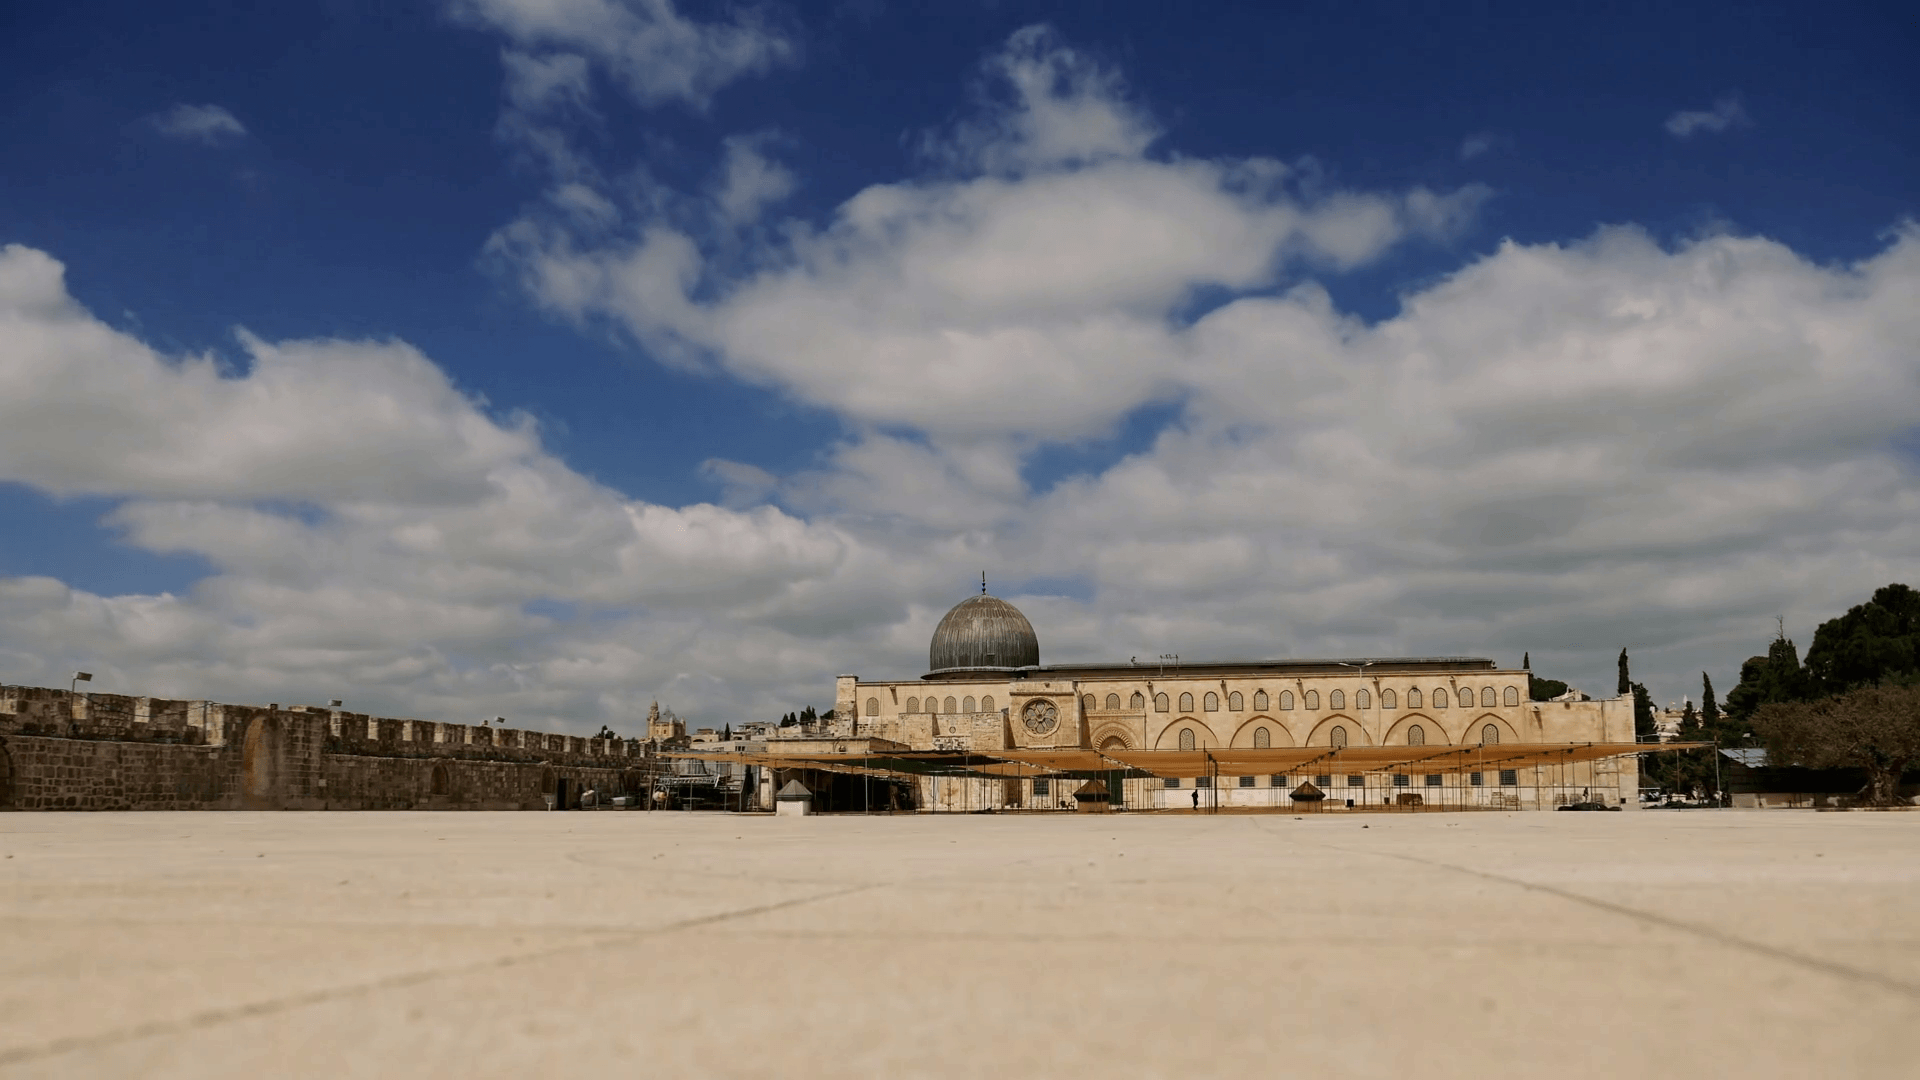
x: 983, y: 583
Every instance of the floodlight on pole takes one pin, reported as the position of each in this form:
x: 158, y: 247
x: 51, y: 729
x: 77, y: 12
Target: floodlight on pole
x: 78, y: 678
x: 333, y: 703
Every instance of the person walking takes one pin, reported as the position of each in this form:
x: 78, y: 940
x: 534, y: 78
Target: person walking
x: 1196, y: 799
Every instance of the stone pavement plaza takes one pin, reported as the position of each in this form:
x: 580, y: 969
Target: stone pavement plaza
x: 1765, y: 943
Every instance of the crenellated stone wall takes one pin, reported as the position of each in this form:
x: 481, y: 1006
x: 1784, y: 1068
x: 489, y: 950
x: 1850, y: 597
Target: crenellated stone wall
x: 66, y: 751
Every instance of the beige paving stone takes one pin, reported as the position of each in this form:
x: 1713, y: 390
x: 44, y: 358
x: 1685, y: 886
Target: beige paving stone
x: 1766, y: 943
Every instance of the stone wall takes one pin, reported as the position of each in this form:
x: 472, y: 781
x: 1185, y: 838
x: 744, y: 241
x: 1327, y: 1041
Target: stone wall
x: 64, y: 751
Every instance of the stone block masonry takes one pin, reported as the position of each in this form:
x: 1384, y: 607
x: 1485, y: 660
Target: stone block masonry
x: 66, y: 751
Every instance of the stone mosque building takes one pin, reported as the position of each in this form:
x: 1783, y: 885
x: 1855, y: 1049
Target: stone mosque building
x: 986, y: 692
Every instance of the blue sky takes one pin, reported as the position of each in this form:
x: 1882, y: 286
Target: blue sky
x: 365, y: 175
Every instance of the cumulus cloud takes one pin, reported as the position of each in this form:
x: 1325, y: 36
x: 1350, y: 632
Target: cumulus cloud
x: 1476, y: 144
x: 1726, y: 113
x: 655, y: 52
x: 208, y: 124
x: 1559, y: 448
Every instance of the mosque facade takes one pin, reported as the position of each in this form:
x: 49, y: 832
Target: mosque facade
x: 986, y: 690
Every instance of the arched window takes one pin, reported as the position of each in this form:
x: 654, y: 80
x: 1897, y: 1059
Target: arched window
x: 1262, y: 738
x: 1137, y: 702
x: 1386, y: 699
x: 1466, y: 697
x: 986, y: 703
x: 1338, y: 736
x: 1259, y: 701
x: 1413, y: 697
x: 1512, y: 696
x: 1440, y: 697
x: 1286, y: 700
x: 950, y: 705
x: 1160, y: 703
x: 1490, y: 735
x: 967, y: 705
x: 933, y: 705
x: 1236, y: 703
x: 1487, y: 698
x: 1113, y: 702
x: 1416, y: 736
x: 1337, y: 699
x: 1313, y: 699
x: 873, y: 706
x: 1213, y: 701
x: 1186, y: 738
x: 1361, y: 700
x: 1186, y: 702
x: 913, y: 704
x: 1087, y: 702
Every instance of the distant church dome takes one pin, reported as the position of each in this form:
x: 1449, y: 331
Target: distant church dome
x: 983, y: 632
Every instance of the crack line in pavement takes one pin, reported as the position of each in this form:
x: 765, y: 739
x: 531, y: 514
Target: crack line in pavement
x: 253, y: 1009
x: 1772, y: 952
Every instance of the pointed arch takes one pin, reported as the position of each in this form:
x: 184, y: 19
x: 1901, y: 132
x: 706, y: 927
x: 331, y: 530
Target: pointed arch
x: 1277, y: 733
x: 1186, y: 702
x: 1212, y: 702
x: 1259, y: 701
x: 913, y: 704
x: 1204, y: 738
x: 1336, y: 699
x: 1113, y: 702
x: 967, y: 704
x: 1512, y: 696
x: 1236, y: 703
x: 1160, y: 703
x: 1435, y: 734
x: 1472, y: 731
x: 1322, y: 733
x: 1138, y: 702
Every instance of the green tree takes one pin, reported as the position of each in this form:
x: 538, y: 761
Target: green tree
x: 1626, y: 681
x: 1644, y: 729
x: 1875, y: 728
x: 1874, y: 642
x: 1709, y: 709
x: 1539, y: 689
x: 1774, y: 678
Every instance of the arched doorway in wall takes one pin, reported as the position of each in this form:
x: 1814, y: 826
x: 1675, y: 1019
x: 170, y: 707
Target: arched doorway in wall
x: 258, y: 764
x: 437, y: 783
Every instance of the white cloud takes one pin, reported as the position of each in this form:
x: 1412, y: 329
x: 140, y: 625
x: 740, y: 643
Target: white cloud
x: 1559, y: 448
x: 198, y: 123
x: 1726, y: 113
x: 1476, y: 144
x: 656, y: 53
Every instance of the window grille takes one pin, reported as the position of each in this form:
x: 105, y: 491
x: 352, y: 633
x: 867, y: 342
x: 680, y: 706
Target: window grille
x: 1313, y: 699
x: 1433, y: 779
x: 1087, y: 703
x: 1286, y: 700
x: 1246, y: 781
x: 1262, y: 738
x: 986, y: 703
x: 1278, y: 780
x: 1042, y: 788
x: 1236, y: 703
x: 1138, y: 701
x: 1509, y: 777
x: 1466, y: 697
x: 1490, y: 735
x: 1203, y: 781
x: 1512, y: 696
x: 873, y: 706
x: 1402, y: 780
x: 1440, y: 698
x: 1487, y: 698
x: 913, y: 704
x: 1413, y: 697
x: 1416, y: 736
x: 1387, y: 700
x: 1186, y: 702
x: 950, y: 706
x: 1338, y: 736
x: 1186, y: 738
x: 1160, y: 703
x: 1259, y: 701
x: 1475, y: 779
x: 1362, y: 700
x: 1172, y: 782
x: 1212, y: 701
x: 1356, y: 781
x: 1113, y: 702
x: 1337, y: 700
x: 1323, y: 782
x: 967, y: 705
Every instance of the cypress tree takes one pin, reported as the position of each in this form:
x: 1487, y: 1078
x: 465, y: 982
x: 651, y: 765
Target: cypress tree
x: 1626, y: 681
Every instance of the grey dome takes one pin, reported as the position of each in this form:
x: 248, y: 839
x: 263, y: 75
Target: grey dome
x: 983, y: 632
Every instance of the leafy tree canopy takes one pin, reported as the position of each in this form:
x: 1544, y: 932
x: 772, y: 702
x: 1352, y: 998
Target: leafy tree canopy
x: 1874, y: 642
x: 1539, y: 689
x: 1774, y: 678
x: 1875, y: 728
